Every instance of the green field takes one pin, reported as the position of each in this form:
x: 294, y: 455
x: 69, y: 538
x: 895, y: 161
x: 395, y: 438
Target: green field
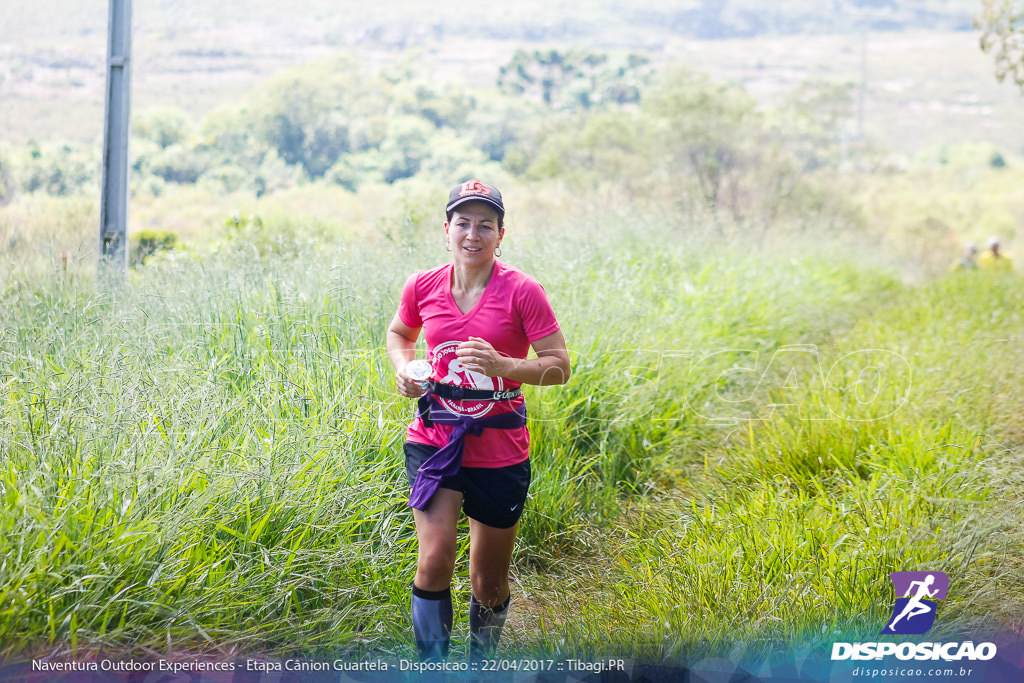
x: 206, y: 458
x: 780, y: 394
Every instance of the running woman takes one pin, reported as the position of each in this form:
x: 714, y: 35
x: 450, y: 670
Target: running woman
x: 468, y: 447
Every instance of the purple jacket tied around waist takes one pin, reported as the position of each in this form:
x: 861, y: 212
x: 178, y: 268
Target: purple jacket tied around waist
x: 447, y: 460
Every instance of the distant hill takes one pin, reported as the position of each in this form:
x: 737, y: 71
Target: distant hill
x: 200, y: 55
x: 530, y: 20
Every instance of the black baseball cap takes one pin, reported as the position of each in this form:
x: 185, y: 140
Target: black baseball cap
x: 475, y: 191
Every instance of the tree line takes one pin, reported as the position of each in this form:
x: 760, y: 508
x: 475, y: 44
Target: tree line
x: 577, y: 116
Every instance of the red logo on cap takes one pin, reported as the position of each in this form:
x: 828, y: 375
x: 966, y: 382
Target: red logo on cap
x: 473, y: 187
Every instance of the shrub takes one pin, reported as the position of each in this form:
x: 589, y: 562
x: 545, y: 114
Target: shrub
x: 145, y: 243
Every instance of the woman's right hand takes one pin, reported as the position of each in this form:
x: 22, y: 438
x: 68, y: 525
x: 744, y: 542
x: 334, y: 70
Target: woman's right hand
x: 401, y: 341
x: 407, y: 386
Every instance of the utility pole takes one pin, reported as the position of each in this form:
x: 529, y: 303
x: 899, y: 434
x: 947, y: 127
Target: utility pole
x: 116, y: 130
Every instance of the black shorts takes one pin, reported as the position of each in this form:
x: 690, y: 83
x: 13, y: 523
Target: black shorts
x: 491, y: 495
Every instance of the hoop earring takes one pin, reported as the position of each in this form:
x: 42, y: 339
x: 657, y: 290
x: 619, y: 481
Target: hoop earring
x: 497, y: 250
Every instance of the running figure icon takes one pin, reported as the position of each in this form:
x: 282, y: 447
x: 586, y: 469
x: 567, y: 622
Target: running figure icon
x: 914, y: 606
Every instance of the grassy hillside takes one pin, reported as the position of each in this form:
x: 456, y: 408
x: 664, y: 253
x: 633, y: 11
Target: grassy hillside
x: 752, y: 441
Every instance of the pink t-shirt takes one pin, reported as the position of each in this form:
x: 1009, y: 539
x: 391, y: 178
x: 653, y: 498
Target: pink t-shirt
x: 512, y: 312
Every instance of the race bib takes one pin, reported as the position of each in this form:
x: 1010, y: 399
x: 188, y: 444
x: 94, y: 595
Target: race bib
x: 448, y: 369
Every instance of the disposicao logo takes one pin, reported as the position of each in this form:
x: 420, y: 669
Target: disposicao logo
x: 913, y: 613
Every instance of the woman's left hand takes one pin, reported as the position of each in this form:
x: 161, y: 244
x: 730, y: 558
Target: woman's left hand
x: 479, y: 356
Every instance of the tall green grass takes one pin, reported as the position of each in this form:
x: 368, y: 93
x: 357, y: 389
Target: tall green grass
x: 789, y: 533
x: 207, y: 458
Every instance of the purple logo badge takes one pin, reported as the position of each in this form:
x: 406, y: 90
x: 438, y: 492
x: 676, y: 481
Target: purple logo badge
x: 916, y: 596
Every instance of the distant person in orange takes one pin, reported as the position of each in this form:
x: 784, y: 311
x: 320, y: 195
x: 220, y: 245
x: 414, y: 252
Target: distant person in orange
x: 994, y: 259
x: 969, y: 260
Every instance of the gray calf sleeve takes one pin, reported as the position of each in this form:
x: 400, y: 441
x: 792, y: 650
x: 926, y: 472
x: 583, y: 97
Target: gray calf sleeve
x: 432, y: 623
x: 485, y: 624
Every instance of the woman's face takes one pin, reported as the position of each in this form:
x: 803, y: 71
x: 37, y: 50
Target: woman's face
x: 473, y: 233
